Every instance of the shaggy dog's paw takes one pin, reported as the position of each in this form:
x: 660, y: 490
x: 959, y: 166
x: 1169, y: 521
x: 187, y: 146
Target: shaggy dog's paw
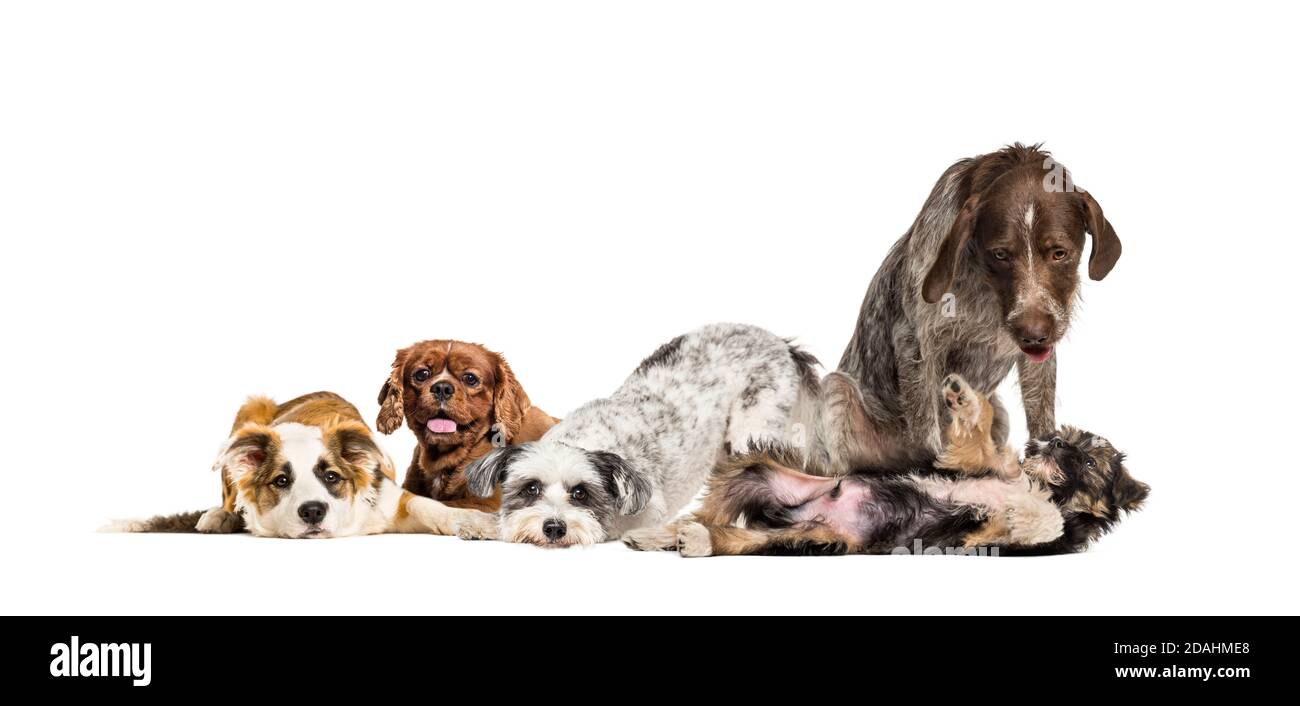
x: 651, y: 539
x: 962, y: 401
x: 693, y: 540
x: 477, y: 525
x: 218, y: 521
x: 1033, y: 521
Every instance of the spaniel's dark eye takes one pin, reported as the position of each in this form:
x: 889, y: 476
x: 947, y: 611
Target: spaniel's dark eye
x: 1000, y: 255
x: 533, y: 489
x: 1059, y: 254
x: 470, y: 379
x: 579, y: 494
x: 281, y: 482
x: 1092, y: 463
x: 332, y: 477
x: 1057, y: 443
x: 422, y: 374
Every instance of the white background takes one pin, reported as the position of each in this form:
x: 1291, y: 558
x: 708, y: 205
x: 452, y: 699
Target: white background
x: 203, y: 201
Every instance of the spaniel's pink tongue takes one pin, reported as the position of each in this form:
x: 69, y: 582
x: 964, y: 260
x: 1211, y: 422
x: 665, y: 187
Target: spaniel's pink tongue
x: 1038, y: 354
x: 441, y: 426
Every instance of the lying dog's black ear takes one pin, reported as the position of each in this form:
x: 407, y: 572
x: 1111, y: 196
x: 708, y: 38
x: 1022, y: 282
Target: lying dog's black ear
x: 939, y: 279
x: 624, y: 483
x: 1105, y: 243
x: 484, y: 475
x: 1129, y: 492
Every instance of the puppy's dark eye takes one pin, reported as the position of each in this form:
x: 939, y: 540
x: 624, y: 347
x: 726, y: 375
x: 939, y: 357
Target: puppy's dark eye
x: 1092, y: 463
x: 332, y: 477
x: 470, y: 379
x: 1057, y: 443
x: 422, y: 374
x: 1059, y: 254
x: 281, y: 481
x: 533, y: 489
x: 579, y: 494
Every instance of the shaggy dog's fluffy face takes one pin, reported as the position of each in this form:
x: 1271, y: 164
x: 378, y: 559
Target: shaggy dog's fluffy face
x: 1085, y: 473
x: 555, y: 495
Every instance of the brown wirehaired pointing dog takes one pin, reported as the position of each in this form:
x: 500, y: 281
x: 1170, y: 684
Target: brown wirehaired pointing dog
x: 460, y: 399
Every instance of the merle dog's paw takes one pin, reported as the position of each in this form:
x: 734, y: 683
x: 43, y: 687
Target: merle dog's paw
x: 693, y: 540
x: 651, y: 539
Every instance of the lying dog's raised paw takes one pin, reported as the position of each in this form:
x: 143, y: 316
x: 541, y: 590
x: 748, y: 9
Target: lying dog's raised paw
x: 651, y: 539
x: 693, y: 540
x: 962, y: 401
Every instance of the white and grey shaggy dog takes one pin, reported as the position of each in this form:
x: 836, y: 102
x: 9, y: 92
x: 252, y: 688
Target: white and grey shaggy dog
x: 635, y: 459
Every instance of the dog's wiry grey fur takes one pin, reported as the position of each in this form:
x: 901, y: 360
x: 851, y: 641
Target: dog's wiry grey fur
x: 636, y: 458
x: 880, y: 406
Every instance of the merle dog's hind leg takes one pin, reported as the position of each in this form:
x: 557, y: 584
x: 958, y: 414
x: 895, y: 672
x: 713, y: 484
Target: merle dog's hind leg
x: 849, y: 437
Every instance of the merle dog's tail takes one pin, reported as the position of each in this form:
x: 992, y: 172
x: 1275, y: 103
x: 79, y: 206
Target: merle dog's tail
x: 181, y: 522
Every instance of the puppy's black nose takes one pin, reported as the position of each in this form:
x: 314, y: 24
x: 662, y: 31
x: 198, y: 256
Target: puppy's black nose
x: 313, y: 512
x: 442, y: 390
x: 554, y: 529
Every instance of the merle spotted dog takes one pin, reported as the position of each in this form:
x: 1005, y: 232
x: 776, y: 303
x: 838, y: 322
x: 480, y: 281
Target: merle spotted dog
x: 635, y: 459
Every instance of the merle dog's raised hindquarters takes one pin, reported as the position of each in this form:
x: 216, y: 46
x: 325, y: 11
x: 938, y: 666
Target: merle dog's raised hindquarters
x: 975, y: 499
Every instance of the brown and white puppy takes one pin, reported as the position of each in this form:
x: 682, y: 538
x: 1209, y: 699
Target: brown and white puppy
x: 309, y: 468
x: 461, y: 400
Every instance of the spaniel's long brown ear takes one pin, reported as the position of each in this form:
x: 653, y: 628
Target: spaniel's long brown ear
x: 1105, y: 243
x: 939, y: 279
x: 509, y: 402
x: 390, y: 397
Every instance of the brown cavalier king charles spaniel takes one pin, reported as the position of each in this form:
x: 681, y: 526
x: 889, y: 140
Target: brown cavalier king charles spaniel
x: 461, y: 400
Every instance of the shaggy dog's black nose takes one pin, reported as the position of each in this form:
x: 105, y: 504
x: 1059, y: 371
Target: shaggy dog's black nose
x: 313, y: 512
x: 554, y: 529
x: 442, y: 390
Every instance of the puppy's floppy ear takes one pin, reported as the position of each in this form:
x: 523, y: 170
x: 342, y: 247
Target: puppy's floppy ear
x: 1129, y: 492
x: 509, y: 401
x: 484, y: 475
x: 246, y: 451
x: 391, y: 413
x: 939, y: 279
x: 353, y: 443
x: 1105, y: 243
x: 622, y: 481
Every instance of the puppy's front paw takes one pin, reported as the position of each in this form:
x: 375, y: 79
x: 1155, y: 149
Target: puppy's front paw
x: 962, y: 401
x: 218, y: 521
x: 1033, y: 521
x: 477, y: 525
x: 651, y: 539
x: 693, y: 540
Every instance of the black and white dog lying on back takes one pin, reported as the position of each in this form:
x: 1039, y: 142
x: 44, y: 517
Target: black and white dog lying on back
x: 636, y: 458
x: 1071, y: 488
